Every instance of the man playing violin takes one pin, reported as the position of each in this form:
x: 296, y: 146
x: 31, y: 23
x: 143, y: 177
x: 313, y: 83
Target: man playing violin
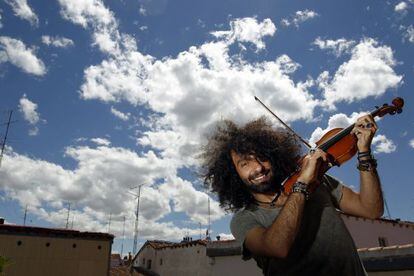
x: 295, y: 233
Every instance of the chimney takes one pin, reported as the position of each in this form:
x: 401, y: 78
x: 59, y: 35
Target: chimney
x: 129, y: 256
x: 1, y: 221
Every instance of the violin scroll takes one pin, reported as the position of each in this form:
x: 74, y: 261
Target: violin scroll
x: 396, y: 107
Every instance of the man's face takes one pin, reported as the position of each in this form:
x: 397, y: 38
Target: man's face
x: 255, y: 173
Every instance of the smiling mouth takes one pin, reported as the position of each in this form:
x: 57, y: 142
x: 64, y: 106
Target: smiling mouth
x: 262, y: 177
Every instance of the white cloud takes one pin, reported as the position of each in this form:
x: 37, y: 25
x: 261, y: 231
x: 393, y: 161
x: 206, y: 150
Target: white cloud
x: 226, y: 237
x: 28, y: 108
x: 401, y: 7
x: 190, y: 92
x: 142, y: 11
x: 143, y: 28
x: 87, y: 12
x: 101, y: 141
x: 299, y: 17
x: 369, y: 72
x: 337, y: 47
x: 411, y: 143
x: 247, y: 30
x: 22, y: 9
x: 187, y: 199
x: 383, y: 145
x: 93, y: 14
x: 409, y: 33
x: 30, y: 113
x: 119, y: 114
x: 1, y: 24
x: 100, y: 185
x: 57, y: 41
x: 15, y: 52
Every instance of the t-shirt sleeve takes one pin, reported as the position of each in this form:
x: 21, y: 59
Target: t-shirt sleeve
x: 241, y: 223
x: 335, y: 187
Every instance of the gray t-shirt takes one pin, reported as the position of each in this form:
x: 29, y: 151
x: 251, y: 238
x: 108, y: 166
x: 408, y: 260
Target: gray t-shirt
x: 323, y: 245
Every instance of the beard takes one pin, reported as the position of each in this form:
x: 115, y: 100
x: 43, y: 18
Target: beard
x: 264, y: 187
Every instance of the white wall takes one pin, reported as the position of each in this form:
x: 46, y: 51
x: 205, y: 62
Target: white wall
x: 365, y: 232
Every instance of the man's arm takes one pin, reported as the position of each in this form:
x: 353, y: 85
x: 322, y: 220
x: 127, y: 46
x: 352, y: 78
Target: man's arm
x: 369, y: 201
x: 276, y: 240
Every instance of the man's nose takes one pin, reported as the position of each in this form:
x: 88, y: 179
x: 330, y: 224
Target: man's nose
x: 258, y: 166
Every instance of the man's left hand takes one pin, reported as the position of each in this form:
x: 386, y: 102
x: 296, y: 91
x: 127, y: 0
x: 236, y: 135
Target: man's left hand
x: 364, y: 130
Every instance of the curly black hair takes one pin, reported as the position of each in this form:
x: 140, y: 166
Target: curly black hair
x: 276, y: 145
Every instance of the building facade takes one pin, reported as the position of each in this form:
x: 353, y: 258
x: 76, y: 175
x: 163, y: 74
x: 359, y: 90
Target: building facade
x: 39, y: 251
x: 203, y: 258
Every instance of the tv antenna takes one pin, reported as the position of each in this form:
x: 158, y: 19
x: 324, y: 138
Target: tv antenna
x: 3, y: 143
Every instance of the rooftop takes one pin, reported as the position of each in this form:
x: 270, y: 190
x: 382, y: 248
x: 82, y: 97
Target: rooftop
x: 11, y: 229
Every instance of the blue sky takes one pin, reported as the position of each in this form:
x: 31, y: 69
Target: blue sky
x: 109, y: 95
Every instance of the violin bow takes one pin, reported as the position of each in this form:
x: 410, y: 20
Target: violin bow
x: 283, y: 123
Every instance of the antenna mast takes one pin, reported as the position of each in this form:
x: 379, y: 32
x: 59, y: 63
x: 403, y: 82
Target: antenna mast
x: 67, y: 219
x: 134, y: 249
x: 3, y: 145
x: 209, y: 213
x: 109, y: 223
x: 123, y: 238
x: 25, y: 216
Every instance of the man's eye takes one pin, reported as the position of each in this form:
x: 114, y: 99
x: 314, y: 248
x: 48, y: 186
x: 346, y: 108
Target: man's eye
x: 243, y: 164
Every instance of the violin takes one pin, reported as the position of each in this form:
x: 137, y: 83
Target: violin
x: 338, y: 143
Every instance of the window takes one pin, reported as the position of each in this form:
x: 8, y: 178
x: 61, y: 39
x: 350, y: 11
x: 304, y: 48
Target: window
x: 160, y: 261
x: 382, y: 241
x: 149, y: 264
x: 143, y: 262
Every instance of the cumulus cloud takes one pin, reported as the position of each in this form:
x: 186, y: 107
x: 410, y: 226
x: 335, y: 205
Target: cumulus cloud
x: 15, y: 52
x: 383, y: 145
x: 93, y: 14
x: 100, y: 185
x: 30, y: 114
x: 408, y: 33
x: 337, y: 47
x: 369, y: 72
x: 248, y: 30
x: 119, y: 114
x: 22, y: 9
x: 101, y: 141
x: 299, y: 17
x: 189, y: 93
x: 57, y: 41
x: 401, y: 7
x: 198, y: 87
x: 1, y: 24
x: 142, y: 10
x: 411, y: 143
